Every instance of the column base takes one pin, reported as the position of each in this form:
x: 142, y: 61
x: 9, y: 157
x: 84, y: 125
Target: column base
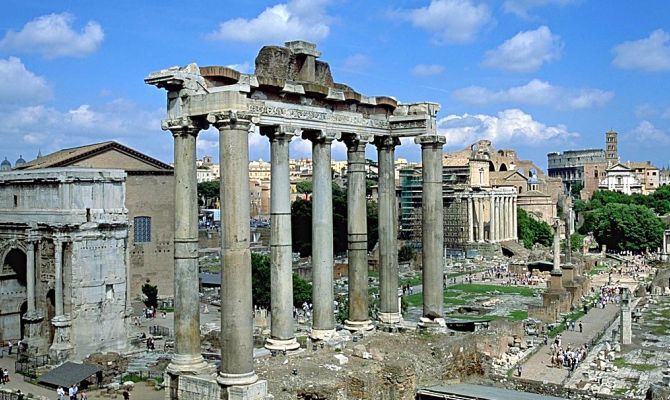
x: 321, y: 334
x: 62, y: 348
x: 255, y: 391
x: 289, y: 345
x: 432, y: 325
x: 190, y: 364
x: 390, y: 318
x: 243, y: 380
x: 358, y: 326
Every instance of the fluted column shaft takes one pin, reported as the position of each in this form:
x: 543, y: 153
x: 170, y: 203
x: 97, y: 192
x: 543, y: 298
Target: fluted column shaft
x: 480, y: 218
x: 237, y: 363
x: 323, y: 322
x: 471, y: 220
x: 557, y: 245
x: 186, y: 292
x: 493, y: 220
x: 30, y: 277
x: 281, y: 253
x: 388, y: 243
x: 357, y: 230
x: 498, y: 219
x: 432, y: 218
x: 58, y: 261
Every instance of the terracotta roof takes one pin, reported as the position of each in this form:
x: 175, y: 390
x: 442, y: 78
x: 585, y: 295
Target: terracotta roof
x: 67, y: 157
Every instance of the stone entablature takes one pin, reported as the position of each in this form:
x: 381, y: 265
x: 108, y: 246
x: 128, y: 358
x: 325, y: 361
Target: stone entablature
x: 63, y: 232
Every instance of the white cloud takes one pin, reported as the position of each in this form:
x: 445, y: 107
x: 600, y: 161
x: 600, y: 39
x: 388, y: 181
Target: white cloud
x: 645, y: 110
x: 427, y: 69
x: 666, y: 113
x: 450, y: 21
x: 296, y: 19
x: 522, y: 7
x: 33, y: 138
x: 20, y: 86
x: 121, y: 118
x: 648, y: 54
x: 356, y: 62
x: 526, y: 51
x: 508, y: 126
x: 646, y: 133
x: 244, y: 67
x: 53, y: 36
x: 536, y: 92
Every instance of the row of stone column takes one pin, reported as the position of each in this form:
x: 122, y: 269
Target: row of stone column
x: 236, y: 300
x: 502, y: 218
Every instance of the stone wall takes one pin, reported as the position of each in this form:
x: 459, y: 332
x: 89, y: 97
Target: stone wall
x: 151, y: 196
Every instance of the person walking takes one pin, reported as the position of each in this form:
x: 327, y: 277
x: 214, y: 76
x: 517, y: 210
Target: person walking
x: 60, y: 392
x: 518, y: 370
x: 19, y: 395
x: 126, y: 395
x: 581, y: 328
x: 9, y: 347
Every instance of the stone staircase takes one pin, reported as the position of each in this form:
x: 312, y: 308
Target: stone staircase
x: 141, y: 361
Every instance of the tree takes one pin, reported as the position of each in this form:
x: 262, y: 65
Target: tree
x: 304, y: 187
x: 208, y: 190
x: 151, y: 293
x: 576, y: 241
x: 260, y: 279
x: 301, y: 222
x: 625, y: 227
x: 260, y: 283
x: 531, y: 231
x: 406, y: 253
x: 576, y: 189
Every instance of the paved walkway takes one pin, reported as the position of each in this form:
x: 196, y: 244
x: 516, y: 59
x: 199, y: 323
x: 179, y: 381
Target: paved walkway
x: 538, y: 367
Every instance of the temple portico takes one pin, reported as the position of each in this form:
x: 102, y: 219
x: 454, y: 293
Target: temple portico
x: 290, y: 94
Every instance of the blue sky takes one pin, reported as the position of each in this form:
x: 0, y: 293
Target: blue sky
x: 534, y: 75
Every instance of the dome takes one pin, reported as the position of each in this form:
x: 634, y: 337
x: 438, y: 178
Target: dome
x: 5, y: 165
x: 19, y: 162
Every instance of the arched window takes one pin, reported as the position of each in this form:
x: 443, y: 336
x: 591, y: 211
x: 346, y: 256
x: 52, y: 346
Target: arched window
x: 142, y: 229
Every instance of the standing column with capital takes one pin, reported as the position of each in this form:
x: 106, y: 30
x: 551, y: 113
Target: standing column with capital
x: 508, y: 217
x: 30, y: 277
x: 323, y: 320
x: 282, y: 335
x: 187, y: 359
x: 62, y: 347
x: 493, y: 220
x: 432, y: 237
x: 471, y: 220
x: 237, y: 343
x: 496, y: 216
x: 389, y: 309
x: 480, y: 218
x: 357, y: 229
x: 32, y: 317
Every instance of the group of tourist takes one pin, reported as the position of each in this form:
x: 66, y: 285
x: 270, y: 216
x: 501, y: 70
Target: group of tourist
x: 72, y: 393
x: 568, y: 357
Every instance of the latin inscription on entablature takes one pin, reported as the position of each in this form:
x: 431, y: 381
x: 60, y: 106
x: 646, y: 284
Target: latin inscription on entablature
x: 315, y: 115
x: 419, y: 123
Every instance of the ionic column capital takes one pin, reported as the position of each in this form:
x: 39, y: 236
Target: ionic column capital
x: 279, y: 132
x: 184, y: 126
x: 430, y: 140
x: 386, y: 142
x: 232, y: 120
x: 325, y: 136
x: 354, y: 140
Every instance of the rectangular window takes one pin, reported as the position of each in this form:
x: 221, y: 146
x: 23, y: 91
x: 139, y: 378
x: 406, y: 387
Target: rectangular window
x: 142, y: 228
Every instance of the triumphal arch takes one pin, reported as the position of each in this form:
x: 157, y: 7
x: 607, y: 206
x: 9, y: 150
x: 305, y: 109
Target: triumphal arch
x: 291, y: 95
